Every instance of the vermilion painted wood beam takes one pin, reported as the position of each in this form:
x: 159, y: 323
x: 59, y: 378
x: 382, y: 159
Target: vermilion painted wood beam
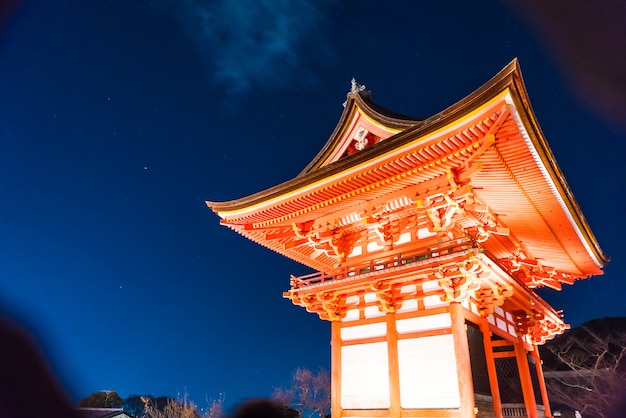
x: 463, y: 364
x: 527, y: 384
x: 335, y: 372
x: 491, y: 368
x: 395, y: 408
x: 542, y: 383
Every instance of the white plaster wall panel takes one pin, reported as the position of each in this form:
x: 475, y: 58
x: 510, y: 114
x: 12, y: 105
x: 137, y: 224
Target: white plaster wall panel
x: 404, y: 238
x: 364, y: 376
x: 424, y: 323
x: 351, y: 315
x: 358, y: 332
x: 373, y: 246
x: 428, y: 376
x: 501, y: 324
x: 356, y: 251
x: 474, y: 308
x: 409, y: 305
x: 499, y: 311
x: 491, y: 319
x: 425, y: 233
x: 372, y: 312
x: 430, y: 285
x: 466, y: 304
x: 370, y: 297
x: 408, y: 288
x: 352, y: 300
x: 434, y: 301
x: 512, y: 330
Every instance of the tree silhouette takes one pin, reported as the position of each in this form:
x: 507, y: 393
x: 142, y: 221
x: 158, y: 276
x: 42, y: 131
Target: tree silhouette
x: 102, y: 399
x: 172, y: 409
x: 308, y: 395
x: 134, y: 406
x: 585, y: 368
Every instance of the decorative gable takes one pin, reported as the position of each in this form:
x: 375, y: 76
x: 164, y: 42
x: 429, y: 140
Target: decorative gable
x: 363, y: 124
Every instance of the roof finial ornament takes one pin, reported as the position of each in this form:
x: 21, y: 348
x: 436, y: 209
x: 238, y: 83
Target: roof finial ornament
x: 355, y: 87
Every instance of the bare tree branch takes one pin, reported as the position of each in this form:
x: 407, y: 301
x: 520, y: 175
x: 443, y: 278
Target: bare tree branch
x: 590, y: 371
x: 309, y: 393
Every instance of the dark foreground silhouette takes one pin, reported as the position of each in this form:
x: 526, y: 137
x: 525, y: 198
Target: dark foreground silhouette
x: 28, y: 387
x: 260, y: 408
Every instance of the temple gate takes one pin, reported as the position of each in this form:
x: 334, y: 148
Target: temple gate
x: 428, y: 238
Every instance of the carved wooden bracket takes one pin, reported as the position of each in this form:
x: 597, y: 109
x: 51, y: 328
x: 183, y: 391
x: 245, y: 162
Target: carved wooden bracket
x: 441, y: 217
x: 385, y: 296
x: 328, y: 305
x: 480, y: 222
x: 335, y: 242
x: 536, y: 326
x: 491, y: 295
x: 388, y: 231
x: 461, y: 281
x: 533, y: 274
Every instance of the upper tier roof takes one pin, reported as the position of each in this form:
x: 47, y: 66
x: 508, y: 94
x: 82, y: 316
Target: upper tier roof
x: 489, y: 141
x: 362, y: 122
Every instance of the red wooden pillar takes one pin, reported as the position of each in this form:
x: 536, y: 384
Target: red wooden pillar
x: 525, y: 380
x: 542, y: 383
x: 491, y: 368
x: 463, y: 364
x: 395, y: 409
x: 335, y: 387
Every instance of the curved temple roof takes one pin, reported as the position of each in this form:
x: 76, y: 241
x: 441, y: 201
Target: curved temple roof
x: 488, y: 146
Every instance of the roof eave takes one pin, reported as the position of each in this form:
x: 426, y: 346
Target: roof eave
x: 508, y: 78
x: 481, y: 95
x: 521, y: 99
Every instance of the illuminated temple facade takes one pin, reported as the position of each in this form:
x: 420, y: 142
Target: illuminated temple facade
x: 427, y: 238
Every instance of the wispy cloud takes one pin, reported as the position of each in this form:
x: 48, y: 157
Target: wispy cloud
x: 257, y: 43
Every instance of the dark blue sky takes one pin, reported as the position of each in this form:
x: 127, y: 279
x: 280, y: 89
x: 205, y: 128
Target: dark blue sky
x: 119, y: 118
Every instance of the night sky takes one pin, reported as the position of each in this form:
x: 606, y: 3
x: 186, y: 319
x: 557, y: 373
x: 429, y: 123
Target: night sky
x: 118, y: 119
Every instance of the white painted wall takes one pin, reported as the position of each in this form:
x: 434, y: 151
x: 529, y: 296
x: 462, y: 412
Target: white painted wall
x: 428, y: 376
x: 364, y: 376
x: 363, y: 331
x: 424, y: 323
